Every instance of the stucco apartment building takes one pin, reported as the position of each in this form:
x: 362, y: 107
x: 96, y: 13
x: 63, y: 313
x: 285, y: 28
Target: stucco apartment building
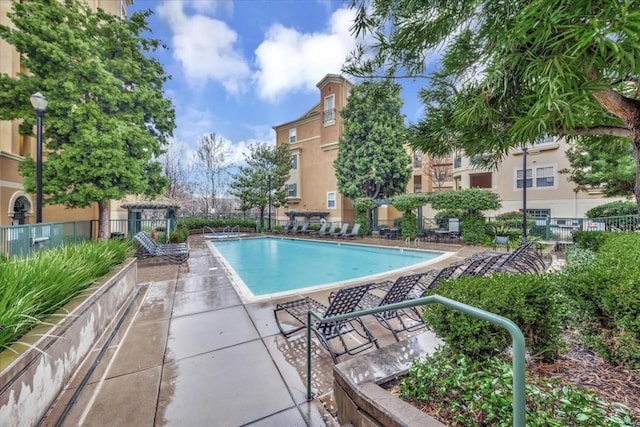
x: 16, y: 206
x: 312, y: 186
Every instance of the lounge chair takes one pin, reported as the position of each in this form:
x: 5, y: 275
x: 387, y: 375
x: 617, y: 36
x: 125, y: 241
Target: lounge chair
x: 351, y: 234
x: 293, y: 229
x: 396, y: 321
x: 301, y: 230
x: 176, y: 253
x: 323, y: 229
x: 286, y: 228
x: 332, y: 230
x: 331, y: 334
x: 342, y: 231
x: 431, y: 279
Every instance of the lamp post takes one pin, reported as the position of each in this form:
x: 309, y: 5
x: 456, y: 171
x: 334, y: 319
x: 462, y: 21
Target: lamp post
x: 39, y: 103
x: 269, y: 202
x: 524, y: 195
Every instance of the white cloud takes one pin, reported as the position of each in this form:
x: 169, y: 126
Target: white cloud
x: 289, y: 60
x: 205, y: 47
x: 212, y: 6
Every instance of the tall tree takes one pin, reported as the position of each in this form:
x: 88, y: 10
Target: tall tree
x: 372, y: 161
x: 107, y: 120
x: 265, y: 172
x: 511, y: 72
x: 175, y: 170
x: 213, y: 159
x: 611, y: 169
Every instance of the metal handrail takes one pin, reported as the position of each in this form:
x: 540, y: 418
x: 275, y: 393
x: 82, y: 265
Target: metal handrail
x: 517, y: 339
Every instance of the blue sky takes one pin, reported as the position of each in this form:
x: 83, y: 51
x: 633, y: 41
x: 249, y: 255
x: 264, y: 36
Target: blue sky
x: 241, y: 67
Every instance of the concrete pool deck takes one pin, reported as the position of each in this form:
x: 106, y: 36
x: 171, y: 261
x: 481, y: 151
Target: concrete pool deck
x: 190, y: 353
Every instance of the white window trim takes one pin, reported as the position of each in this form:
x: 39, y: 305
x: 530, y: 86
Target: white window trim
x: 333, y: 120
x: 333, y: 193
x: 534, y: 176
x: 293, y: 133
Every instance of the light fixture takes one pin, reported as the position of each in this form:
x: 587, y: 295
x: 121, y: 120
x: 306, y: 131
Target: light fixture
x: 39, y: 103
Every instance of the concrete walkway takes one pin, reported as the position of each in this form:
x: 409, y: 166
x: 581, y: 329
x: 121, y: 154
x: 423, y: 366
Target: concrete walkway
x: 188, y: 352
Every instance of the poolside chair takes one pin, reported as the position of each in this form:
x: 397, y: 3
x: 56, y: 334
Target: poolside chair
x: 286, y: 228
x: 332, y: 230
x: 176, y: 253
x: 323, y: 229
x: 293, y: 229
x: 301, y: 230
x: 403, y: 320
x: 334, y: 336
x: 342, y: 231
x: 431, y: 279
x: 351, y: 234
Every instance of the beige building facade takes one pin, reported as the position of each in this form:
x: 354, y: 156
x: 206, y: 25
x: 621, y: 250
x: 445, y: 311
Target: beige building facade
x: 549, y: 193
x: 16, y: 206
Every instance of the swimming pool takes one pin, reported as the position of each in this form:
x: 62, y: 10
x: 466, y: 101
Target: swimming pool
x: 263, y: 268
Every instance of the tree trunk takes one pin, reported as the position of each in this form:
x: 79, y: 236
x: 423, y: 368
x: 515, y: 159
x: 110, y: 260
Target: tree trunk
x: 369, y: 220
x: 636, y: 153
x: 261, y: 218
x: 103, y: 220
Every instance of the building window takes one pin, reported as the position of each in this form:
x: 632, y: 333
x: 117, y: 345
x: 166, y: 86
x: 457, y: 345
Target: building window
x: 457, y: 161
x: 329, y: 109
x: 417, y: 159
x: 294, y: 162
x: 331, y: 200
x: 543, y: 177
x: 291, y: 189
x: 545, y: 140
x: 538, y: 213
x: 417, y: 184
x: 292, y: 135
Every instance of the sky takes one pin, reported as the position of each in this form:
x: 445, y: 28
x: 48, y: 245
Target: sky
x: 240, y: 67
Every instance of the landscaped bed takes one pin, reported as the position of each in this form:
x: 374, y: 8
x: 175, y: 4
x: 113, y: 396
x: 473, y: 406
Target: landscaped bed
x: 582, y: 332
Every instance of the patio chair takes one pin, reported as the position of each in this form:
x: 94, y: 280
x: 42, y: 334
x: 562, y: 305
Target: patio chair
x: 286, y: 228
x: 293, y: 229
x: 342, y: 231
x: 351, y: 234
x: 501, y: 241
x: 479, y: 265
x: 431, y: 279
x: 332, y: 335
x: 301, y: 230
x: 454, y: 228
x: 396, y: 321
x: 323, y: 229
x: 176, y: 253
x: 332, y: 230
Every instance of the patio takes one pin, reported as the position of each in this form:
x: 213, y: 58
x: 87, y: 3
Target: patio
x: 189, y: 352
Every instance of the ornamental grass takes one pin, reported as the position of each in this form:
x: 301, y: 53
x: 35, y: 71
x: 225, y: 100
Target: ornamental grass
x: 34, y: 288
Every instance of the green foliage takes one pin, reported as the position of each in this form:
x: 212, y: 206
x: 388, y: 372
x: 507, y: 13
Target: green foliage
x: 618, y: 208
x: 609, y: 167
x: 36, y: 287
x: 409, y: 225
x: 473, y: 228
x: 528, y: 300
x: 363, y: 206
x: 605, y: 291
x: 198, y: 223
x: 470, y: 200
x: 442, y: 217
x: 506, y: 78
x: 107, y: 120
x: 251, y: 183
x: 591, y: 240
x: 409, y: 202
x: 498, y: 229
x: 372, y: 161
x: 179, y: 235
x: 467, y: 392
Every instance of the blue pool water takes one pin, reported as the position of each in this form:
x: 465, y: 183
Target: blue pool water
x: 274, y: 265
x: 223, y: 235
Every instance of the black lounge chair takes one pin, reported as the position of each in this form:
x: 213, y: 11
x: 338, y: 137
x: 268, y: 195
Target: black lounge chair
x: 332, y: 335
x: 342, y: 231
x: 323, y: 229
x: 351, y: 234
x: 431, y: 279
x: 176, y: 253
x: 396, y: 321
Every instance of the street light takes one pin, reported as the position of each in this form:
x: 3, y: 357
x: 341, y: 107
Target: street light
x: 39, y: 103
x: 524, y: 194
x: 269, y: 188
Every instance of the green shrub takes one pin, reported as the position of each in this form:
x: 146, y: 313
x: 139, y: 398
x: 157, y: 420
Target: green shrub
x: 198, y: 223
x: 409, y: 225
x: 473, y: 228
x: 466, y: 392
x: 618, y: 208
x: 35, y: 287
x: 179, y: 235
x: 604, y: 294
x: 527, y: 300
x: 590, y: 239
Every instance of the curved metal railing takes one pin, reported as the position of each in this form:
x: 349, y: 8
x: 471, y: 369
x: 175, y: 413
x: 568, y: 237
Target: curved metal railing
x: 519, y: 410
